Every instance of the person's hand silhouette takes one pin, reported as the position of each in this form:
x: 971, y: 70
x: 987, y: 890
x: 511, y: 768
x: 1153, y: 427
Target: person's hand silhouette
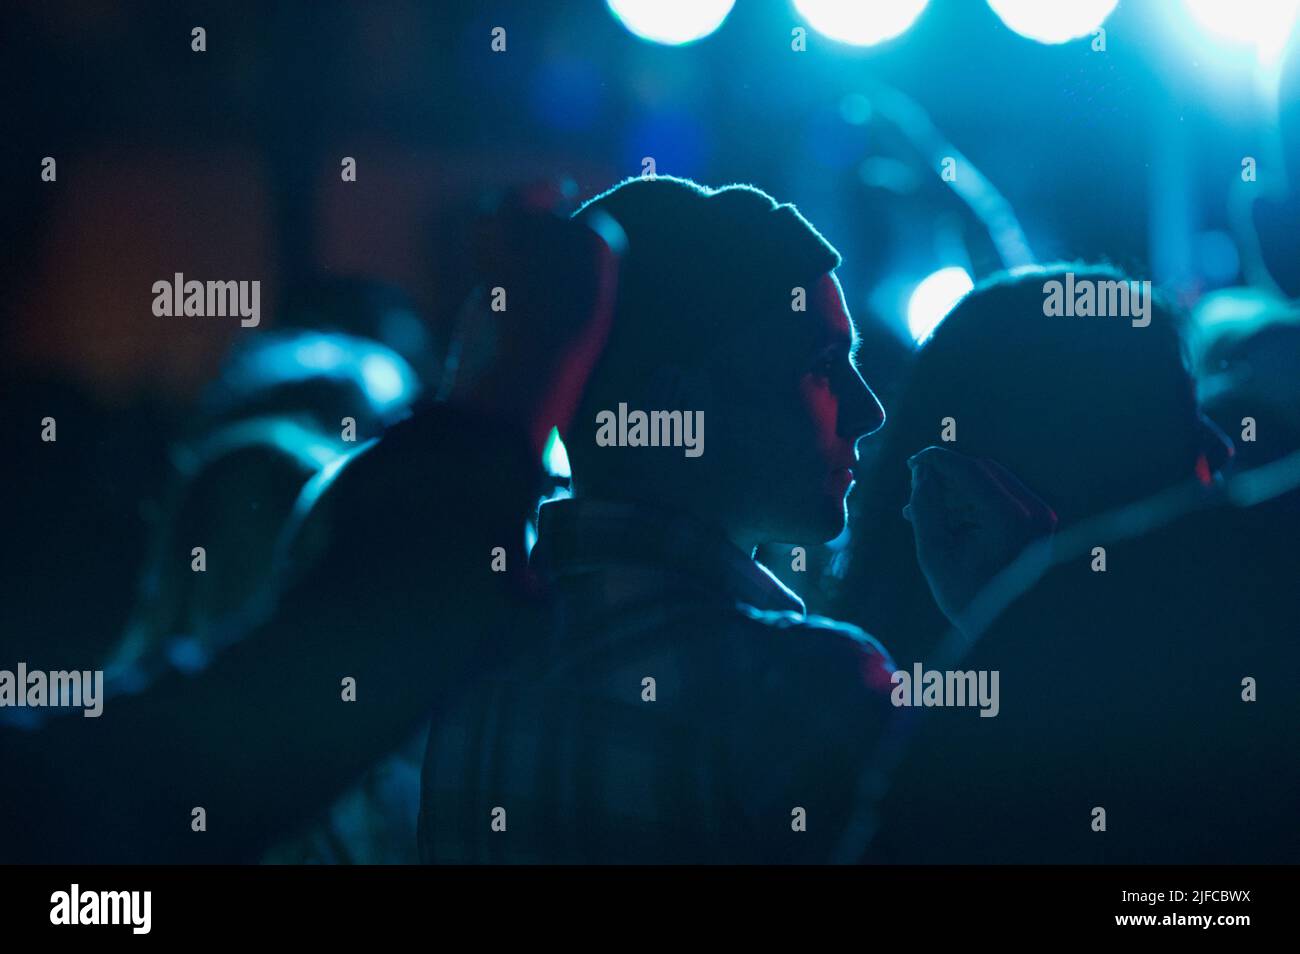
x: 970, y: 518
x: 530, y: 339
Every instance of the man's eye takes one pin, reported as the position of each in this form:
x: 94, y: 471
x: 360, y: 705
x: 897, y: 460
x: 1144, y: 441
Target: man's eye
x: 824, y: 366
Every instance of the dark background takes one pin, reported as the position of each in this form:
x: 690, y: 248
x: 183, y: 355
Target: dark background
x: 225, y: 164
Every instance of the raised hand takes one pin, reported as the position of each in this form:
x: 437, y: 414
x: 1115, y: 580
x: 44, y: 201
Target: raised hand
x: 552, y: 279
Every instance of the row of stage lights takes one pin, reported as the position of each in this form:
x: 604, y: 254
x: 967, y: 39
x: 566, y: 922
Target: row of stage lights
x: 1259, y: 29
x: 1263, y: 24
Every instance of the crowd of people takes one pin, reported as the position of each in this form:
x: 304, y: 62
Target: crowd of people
x: 405, y: 643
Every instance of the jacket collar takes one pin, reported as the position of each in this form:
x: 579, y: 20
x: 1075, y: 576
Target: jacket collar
x: 582, y: 536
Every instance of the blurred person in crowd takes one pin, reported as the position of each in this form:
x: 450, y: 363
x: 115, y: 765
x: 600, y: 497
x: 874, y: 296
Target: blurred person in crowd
x: 390, y: 597
x: 1131, y: 727
x: 1149, y: 693
x: 285, y: 405
x: 1089, y: 412
x: 1246, y: 347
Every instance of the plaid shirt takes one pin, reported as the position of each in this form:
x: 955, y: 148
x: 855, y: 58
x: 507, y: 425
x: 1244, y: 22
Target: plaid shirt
x: 758, y: 722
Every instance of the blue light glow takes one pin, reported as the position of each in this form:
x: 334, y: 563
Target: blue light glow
x: 384, y: 380
x: 934, y: 298
x: 556, y: 457
x: 672, y: 22
x: 860, y: 24
x: 1262, y: 24
x: 1053, y: 21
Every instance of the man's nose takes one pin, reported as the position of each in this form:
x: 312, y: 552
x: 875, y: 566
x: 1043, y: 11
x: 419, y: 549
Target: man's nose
x: 861, y: 413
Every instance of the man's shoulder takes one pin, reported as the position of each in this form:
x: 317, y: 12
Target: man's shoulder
x: 784, y: 648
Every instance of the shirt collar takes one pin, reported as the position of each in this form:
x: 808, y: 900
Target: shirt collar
x: 580, y: 536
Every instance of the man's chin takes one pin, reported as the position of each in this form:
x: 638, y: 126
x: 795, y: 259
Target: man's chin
x: 834, y: 528
x: 824, y: 527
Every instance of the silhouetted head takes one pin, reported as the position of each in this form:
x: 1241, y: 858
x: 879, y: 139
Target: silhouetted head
x: 1090, y: 412
x: 728, y: 311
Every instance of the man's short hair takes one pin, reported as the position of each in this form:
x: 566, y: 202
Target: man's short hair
x: 703, y: 264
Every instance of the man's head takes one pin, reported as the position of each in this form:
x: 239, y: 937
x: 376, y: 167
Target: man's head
x: 727, y: 311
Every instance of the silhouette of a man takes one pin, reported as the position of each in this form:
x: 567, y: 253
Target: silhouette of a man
x: 683, y: 707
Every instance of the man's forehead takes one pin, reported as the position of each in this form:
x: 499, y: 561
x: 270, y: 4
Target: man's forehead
x: 822, y: 321
x: 830, y: 312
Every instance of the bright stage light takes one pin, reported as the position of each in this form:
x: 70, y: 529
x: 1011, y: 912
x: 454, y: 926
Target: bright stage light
x: 673, y: 22
x: 934, y: 298
x: 1263, y: 24
x: 860, y: 22
x: 1053, y: 21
